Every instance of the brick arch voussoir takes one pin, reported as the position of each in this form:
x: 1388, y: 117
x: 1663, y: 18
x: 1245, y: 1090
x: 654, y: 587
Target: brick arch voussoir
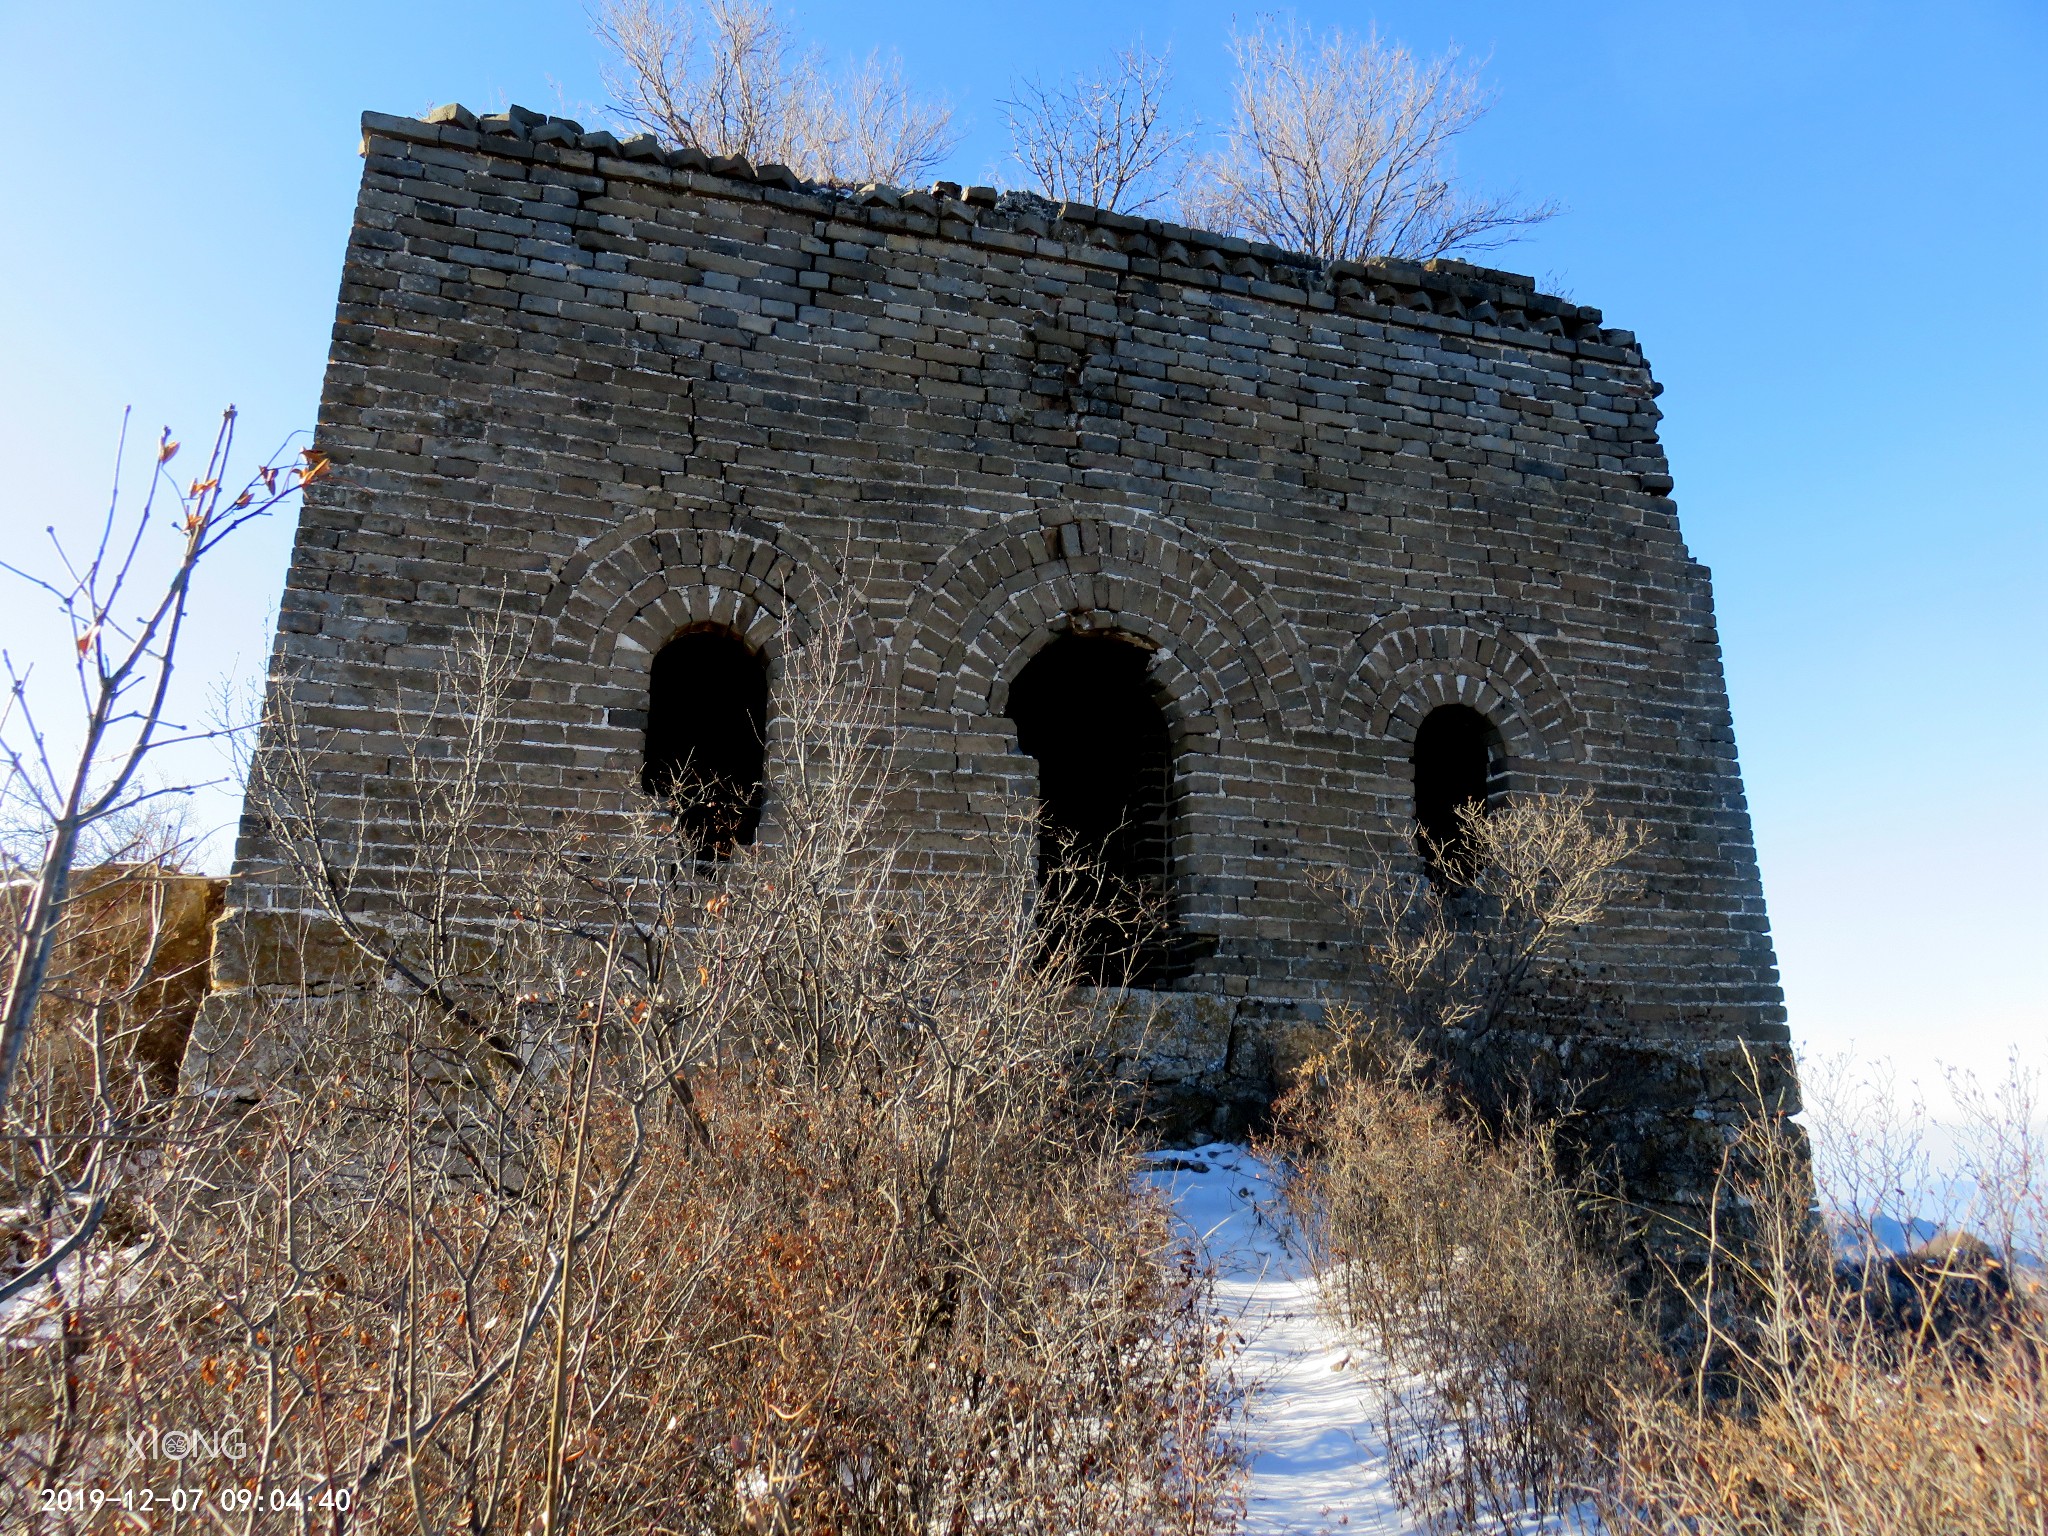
x: 1194, y: 654
x: 745, y: 605
x: 1006, y: 589
x: 1410, y: 663
x: 651, y: 577
x: 1190, y: 683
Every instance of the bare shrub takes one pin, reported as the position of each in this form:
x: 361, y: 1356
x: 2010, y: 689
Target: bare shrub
x: 1105, y: 139
x: 1466, y: 1259
x: 1442, y: 1226
x: 1875, y: 1393
x: 1880, y: 1392
x: 1858, y: 1391
x: 1341, y: 146
x: 728, y: 77
x: 1473, y: 936
x: 101, y: 943
x: 124, y: 632
x: 640, y: 1193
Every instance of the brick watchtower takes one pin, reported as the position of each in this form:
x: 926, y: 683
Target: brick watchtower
x: 1252, y: 558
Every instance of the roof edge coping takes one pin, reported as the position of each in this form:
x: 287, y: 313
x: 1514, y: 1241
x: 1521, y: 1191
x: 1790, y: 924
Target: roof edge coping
x: 1446, y: 286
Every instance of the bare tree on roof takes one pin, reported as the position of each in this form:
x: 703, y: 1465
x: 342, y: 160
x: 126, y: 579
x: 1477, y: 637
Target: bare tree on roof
x: 729, y: 77
x: 1341, y: 146
x: 876, y: 128
x: 1105, y: 139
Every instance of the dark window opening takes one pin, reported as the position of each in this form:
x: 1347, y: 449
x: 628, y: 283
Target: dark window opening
x: 1457, y: 763
x: 707, y: 716
x: 1086, y: 710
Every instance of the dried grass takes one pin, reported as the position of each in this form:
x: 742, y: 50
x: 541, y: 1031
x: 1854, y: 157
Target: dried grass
x: 1877, y: 1393
x: 1762, y: 1389
x: 1460, y: 1253
x: 646, y: 1194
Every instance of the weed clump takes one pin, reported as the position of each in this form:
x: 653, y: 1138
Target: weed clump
x: 1541, y: 1361
x: 634, y: 1191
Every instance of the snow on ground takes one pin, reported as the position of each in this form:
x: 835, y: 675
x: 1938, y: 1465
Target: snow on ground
x: 33, y: 1317
x: 1318, y: 1461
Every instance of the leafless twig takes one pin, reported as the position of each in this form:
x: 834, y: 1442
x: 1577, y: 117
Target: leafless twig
x: 1341, y: 146
x: 124, y: 668
x: 728, y: 77
x: 1104, y: 139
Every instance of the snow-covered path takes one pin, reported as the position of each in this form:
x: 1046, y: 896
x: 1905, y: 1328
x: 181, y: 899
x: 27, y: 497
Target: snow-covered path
x: 1317, y: 1460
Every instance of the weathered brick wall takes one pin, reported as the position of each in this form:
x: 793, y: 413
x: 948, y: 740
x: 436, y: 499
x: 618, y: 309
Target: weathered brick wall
x: 622, y: 391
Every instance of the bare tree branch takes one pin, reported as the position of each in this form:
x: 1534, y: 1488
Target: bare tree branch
x: 124, y: 678
x: 880, y: 130
x: 729, y: 77
x: 1103, y: 139
x: 1341, y: 146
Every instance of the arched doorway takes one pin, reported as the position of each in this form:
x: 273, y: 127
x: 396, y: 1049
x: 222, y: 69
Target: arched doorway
x: 706, y: 754
x: 1086, y: 709
x: 1458, y: 764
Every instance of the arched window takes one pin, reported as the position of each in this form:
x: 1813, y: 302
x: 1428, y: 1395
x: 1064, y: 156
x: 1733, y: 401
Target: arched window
x: 707, y: 716
x: 1086, y: 710
x: 1457, y: 764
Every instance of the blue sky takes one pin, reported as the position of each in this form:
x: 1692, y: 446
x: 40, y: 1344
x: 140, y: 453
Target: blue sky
x: 1827, y: 222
